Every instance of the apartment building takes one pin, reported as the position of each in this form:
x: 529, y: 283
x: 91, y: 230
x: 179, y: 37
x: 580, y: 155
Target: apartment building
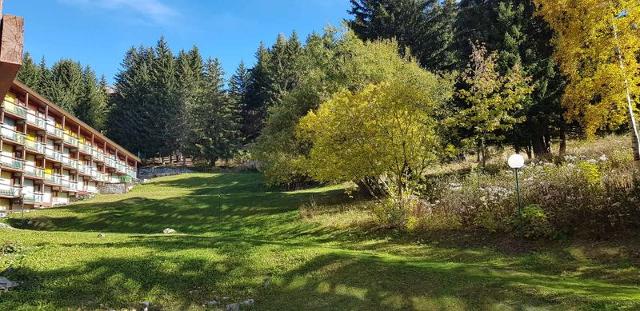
x: 49, y: 157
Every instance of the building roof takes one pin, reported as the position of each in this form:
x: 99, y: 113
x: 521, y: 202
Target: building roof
x: 68, y: 115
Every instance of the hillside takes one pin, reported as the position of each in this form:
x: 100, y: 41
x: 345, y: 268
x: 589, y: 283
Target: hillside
x: 234, y: 234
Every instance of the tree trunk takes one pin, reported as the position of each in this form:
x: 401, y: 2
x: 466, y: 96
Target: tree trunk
x: 562, y: 151
x: 484, y: 153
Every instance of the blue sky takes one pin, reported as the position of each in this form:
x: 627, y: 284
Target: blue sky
x: 98, y: 32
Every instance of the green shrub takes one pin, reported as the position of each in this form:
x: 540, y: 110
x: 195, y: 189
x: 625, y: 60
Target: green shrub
x: 533, y: 223
x: 393, y: 211
x: 591, y: 173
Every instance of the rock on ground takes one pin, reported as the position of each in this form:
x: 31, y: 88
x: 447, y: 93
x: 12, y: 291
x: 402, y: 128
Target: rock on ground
x: 6, y: 284
x: 169, y: 231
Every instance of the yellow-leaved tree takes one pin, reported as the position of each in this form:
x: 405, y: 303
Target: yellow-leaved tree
x: 597, y: 46
x: 385, y: 130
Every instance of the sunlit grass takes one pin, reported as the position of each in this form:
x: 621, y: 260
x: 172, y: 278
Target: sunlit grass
x: 233, y: 233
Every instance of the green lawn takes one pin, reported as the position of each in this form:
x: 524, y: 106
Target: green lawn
x: 234, y: 233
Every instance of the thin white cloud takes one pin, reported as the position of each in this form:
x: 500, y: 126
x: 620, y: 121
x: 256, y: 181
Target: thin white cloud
x: 152, y: 10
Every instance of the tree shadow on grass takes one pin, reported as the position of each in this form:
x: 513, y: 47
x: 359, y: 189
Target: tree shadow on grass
x: 245, y: 209
x: 326, y: 280
x: 174, y: 284
x: 377, y: 283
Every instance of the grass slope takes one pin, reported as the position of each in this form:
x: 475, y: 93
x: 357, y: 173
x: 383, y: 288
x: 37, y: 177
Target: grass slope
x: 234, y: 233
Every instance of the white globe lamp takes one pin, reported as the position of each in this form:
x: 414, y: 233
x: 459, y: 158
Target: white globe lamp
x: 516, y: 161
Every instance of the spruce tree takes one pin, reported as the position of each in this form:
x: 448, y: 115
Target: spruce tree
x: 163, y: 137
x: 92, y: 105
x: 255, y: 110
x: 238, y: 92
x: 65, y: 85
x: 215, y: 117
x: 29, y: 73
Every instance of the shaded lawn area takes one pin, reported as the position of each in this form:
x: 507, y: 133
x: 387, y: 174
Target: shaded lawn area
x: 235, y: 233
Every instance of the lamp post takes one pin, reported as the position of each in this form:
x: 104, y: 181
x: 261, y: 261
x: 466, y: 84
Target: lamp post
x: 516, y: 162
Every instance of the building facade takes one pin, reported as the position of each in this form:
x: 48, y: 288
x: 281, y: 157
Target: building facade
x: 49, y: 157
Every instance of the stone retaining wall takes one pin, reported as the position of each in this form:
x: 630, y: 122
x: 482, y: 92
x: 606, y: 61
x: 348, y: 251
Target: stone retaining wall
x: 115, y: 188
x: 151, y: 172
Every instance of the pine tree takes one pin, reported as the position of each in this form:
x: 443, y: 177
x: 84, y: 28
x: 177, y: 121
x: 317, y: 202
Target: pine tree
x: 65, y: 85
x: 29, y: 73
x: 426, y: 28
x: 215, y: 117
x: 238, y: 92
x: 255, y: 110
x: 92, y: 106
x: 128, y: 113
x: 190, y: 75
x: 163, y: 138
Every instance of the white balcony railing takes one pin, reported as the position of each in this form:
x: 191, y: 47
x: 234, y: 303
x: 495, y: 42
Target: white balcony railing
x: 34, y: 146
x: 9, y: 191
x: 53, y: 178
x: 35, y: 120
x: 12, y: 135
x: 33, y: 198
x: 14, y: 109
x: 69, y: 162
x: 52, y: 154
x: 84, y: 148
x: 31, y: 170
x: 70, y: 140
x: 54, y: 130
x: 11, y: 162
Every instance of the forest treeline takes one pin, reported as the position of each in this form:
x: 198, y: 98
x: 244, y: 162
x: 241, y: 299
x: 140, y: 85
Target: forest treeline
x: 518, y: 73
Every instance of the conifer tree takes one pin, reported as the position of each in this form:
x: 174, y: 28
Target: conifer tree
x: 29, y: 73
x: 65, y: 85
x: 92, y: 104
x: 238, y: 92
x: 215, y: 117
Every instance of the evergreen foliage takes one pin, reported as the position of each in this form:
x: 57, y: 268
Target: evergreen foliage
x: 69, y: 85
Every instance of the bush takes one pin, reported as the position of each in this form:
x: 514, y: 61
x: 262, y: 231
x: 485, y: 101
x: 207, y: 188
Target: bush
x: 592, y: 197
x: 533, y: 223
x: 393, y: 211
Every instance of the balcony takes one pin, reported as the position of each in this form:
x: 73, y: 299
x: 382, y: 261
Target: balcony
x: 33, y: 171
x: 70, y: 140
x: 34, y: 146
x: 36, y: 121
x: 33, y: 198
x: 9, y: 162
x: 14, y: 109
x: 131, y: 172
x: 53, y: 179
x: 9, y: 191
x: 110, y: 162
x: 52, y: 154
x: 98, y: 155
x: 69, y: 185
x: 84, y: 148
x: 98, y: 177
x: 84, y: 169
x: 68, y: 162
x: 12, y: 135
x: 121, y: 167
x: 54, y: 131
